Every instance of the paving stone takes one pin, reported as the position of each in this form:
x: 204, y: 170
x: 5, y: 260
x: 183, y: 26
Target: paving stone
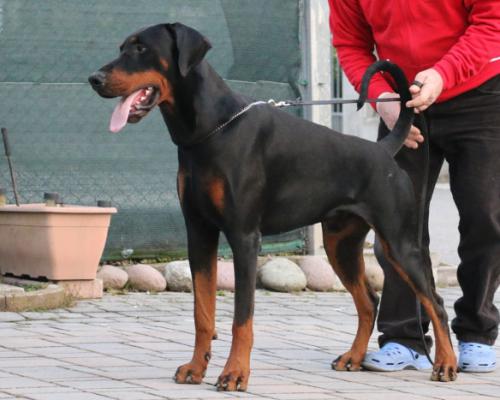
x: 129, y: 395
x: 471, y: 397
x: 162, y: 384
x: 310, y: 396
x: 10, y: 317
x: 6, y: 364
x: 385, y: 395
x: 101, y: 361
x: 32, y: 315
x: 23, y: 342
x: 50, y: 373
x: 68, y: 396
x: 96, y: 384
x: 137, y: 372
x: 51, y: 389
x: 21, y: 382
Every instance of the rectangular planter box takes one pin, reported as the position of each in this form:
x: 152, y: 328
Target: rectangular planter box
x: 58, y: 243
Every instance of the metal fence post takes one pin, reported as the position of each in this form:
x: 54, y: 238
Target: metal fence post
x: 318, y: 74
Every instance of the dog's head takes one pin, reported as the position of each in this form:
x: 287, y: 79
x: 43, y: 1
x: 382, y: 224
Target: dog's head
x: 143, y: 74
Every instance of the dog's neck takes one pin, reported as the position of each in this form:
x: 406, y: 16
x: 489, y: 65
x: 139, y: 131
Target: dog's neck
x: 202, y: 102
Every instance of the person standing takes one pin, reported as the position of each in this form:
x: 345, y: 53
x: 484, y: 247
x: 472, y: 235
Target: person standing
x: 450, y: 50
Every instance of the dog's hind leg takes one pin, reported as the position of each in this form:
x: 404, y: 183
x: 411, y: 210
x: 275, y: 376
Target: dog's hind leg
x: 408, y: 261
x: 237, y: 369
x: 343, y: 238
x: 202, y: 248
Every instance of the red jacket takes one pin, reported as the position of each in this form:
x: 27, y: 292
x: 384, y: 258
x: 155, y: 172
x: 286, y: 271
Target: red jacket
x: 459, y: 38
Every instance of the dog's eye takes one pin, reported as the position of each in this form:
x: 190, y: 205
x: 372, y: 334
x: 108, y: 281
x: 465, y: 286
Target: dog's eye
x: 141, y: 49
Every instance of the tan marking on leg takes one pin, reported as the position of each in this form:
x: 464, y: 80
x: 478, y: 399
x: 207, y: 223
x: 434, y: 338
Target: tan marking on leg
x: 237, y: 369
x: 330, y: 242
x: 204, y: 287
x: 366, y: 318
x: 360, y: 293
x: 216, y: 193
x: 445, y: 356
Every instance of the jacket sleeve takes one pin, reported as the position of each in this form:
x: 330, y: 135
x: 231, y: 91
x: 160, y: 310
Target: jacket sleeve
x: 476, y: 47
x: 353, y: 40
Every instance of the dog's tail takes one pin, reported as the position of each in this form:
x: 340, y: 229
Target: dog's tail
x: 395, y: 139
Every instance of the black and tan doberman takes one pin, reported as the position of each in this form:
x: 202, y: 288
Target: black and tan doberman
x: 249, y: 169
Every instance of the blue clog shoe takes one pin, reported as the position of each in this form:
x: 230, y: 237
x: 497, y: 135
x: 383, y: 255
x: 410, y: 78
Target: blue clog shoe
x: 395, y: 357
x: 476, y: 357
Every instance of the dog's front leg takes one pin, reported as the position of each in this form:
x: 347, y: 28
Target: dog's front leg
x: 202, y: 248
x: 237, y: 369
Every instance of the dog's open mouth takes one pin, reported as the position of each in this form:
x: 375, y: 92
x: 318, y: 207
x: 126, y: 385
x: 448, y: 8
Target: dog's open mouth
x: 133, y: 107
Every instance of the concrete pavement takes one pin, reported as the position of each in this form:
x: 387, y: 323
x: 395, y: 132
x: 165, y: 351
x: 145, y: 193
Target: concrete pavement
x: 128, y: 347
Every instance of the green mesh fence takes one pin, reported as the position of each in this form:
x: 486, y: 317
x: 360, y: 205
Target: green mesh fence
x: 58, y: 125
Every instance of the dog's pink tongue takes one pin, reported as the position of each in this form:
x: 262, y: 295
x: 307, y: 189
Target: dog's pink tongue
x: 121, y: 112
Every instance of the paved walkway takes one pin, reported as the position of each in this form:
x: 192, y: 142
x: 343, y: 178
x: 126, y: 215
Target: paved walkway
x: 128, y: 347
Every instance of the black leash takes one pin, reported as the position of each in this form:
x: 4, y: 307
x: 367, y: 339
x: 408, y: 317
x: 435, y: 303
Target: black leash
x: 421, y: 211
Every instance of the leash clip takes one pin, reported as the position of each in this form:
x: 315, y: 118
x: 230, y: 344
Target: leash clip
x: 278, y: 104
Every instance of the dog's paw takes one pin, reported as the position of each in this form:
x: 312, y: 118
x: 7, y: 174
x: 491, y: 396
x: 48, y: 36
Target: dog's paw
x: 347, y: 362
x: 233, y: 380
x: 445, y: 367
x: 444, y: 373
x: 190, y: 373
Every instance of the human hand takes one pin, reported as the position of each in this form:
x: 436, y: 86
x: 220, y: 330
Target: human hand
x: 389, y: 113
x: 423, y: 96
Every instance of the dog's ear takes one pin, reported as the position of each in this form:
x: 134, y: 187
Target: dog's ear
x: 191, y: 46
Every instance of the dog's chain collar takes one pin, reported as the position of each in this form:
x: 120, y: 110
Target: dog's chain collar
x: 241, y: 112
x: 222, y: 126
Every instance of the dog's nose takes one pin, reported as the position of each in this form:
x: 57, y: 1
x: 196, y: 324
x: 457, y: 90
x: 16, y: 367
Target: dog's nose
x: 97, y: 79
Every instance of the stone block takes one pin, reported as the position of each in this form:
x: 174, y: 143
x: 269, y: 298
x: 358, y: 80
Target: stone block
x: 319, y: 273
x: 51, y: 297
x: 225, y: 275
x: 112, y: 277
x: 178, y: 276
x: 83, y: 289
x: 145, y: 278
x: 9, y: 289
x: 282, y: 275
